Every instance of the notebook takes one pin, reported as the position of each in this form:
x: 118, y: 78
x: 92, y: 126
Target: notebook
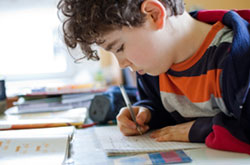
x: 75, y: 117
x: 32, y: 146
x: 115, y: 143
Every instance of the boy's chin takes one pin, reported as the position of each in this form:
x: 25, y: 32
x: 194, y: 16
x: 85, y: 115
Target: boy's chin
x: 141, y: 72
x: 153, y: 74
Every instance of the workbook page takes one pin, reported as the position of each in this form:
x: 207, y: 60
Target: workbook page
x: 114, y: 142
x: 49, y: 150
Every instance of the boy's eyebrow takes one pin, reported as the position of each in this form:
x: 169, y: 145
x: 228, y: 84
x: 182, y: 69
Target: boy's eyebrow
x: 110, y: 45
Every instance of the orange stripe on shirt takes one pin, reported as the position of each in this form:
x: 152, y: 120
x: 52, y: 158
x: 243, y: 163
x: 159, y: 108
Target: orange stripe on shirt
x: 195, y: 88
x: 200, y: 52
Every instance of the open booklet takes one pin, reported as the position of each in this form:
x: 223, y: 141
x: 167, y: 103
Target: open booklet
x: 114, y: 143
x: 32, y: 146
x: 11, y: 120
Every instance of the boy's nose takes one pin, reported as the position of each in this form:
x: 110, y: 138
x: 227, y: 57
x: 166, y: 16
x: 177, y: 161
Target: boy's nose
x: 124, y: 63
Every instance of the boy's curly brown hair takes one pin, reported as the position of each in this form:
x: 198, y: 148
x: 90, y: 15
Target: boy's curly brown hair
x: 88, y: 20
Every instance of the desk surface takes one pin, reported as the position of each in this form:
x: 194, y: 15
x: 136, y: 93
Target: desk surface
x: 87, y: 150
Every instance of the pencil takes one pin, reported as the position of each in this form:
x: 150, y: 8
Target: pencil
x: 87, y: 125
x: 128, y: 103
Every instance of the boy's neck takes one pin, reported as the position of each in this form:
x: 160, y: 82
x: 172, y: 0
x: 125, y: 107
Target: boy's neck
x: 190, y: 34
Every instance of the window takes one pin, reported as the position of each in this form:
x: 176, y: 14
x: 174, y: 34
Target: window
x: 30, y: 46
x: 32, y: 52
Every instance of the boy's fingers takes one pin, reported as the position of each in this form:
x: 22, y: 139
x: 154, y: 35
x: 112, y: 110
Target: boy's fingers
x: 167, y: 137
x: 127, y: 125
x: 144, y: 128
x: 125, y: 122
x: 161, y: 132
x: 124, y: 119
x: 142, y: 116
x: 128, y: 131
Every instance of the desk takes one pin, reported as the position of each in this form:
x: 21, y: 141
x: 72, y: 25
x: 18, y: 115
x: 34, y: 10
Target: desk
x: 87, y: 150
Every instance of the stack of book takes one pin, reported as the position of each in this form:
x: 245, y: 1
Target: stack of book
x: 50, y: 107
x: 31, y: 104
x: 55, y: 100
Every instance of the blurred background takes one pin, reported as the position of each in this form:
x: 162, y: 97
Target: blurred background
x: 217, y: 4
x: 32, y: 54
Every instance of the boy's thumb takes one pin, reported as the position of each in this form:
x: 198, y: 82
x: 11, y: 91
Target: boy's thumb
x: 141, y: 116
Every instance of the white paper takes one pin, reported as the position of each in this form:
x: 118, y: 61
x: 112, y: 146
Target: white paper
x: 35, y: 146
x: 34, y: 150
x: 114, y: 142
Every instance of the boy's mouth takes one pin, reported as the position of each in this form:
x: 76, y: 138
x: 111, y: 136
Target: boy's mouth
x: 141, y: 72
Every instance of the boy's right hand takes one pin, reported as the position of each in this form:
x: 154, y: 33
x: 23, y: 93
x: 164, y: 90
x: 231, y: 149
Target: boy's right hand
x: 127, y: 125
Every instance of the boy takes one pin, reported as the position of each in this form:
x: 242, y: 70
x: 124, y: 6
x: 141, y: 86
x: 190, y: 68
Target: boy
x: 193, y: 76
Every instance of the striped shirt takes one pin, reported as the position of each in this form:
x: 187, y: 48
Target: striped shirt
x: 192, y: 88
x: 212, y: 87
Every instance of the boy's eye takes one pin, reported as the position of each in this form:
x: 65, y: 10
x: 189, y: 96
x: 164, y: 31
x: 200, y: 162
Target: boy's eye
x: 120, y: 49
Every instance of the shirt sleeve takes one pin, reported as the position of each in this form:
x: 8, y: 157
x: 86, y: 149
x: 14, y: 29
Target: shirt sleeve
x: 222, y: 132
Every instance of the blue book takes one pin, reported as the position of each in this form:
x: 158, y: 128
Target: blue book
x: 168, y: 157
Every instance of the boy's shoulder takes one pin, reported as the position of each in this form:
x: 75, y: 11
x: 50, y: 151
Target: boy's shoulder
x: 212, y: 16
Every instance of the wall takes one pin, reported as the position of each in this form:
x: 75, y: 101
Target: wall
x: 217, y: 4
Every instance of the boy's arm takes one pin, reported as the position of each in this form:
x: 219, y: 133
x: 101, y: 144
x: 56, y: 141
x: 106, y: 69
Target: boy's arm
x: 221, y: 132
x: 148, y: 87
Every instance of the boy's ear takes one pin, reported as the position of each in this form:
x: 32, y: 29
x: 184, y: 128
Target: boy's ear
x: 155, y: 10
